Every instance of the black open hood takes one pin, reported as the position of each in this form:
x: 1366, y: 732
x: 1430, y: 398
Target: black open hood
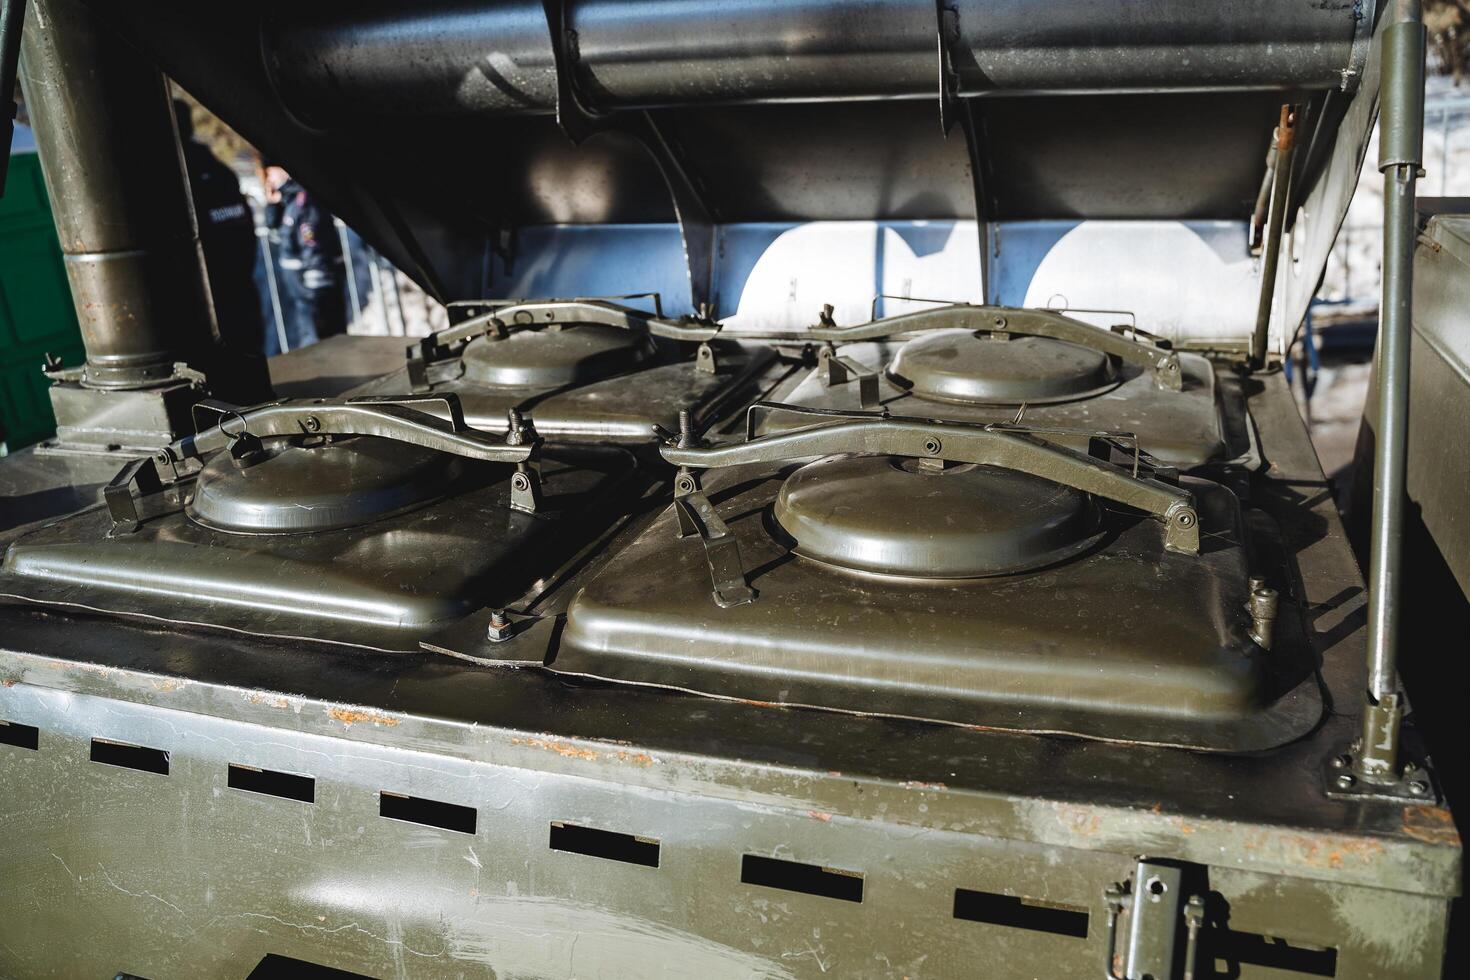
x: 1018, y: 150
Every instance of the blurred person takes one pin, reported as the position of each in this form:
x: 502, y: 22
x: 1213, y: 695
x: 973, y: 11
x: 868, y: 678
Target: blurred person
x: 227, y: 236
x: 309, y: 259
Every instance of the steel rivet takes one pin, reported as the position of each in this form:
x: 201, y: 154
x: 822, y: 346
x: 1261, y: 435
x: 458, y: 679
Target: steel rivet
x: 932, y: 446
x: 1346, y: 781
x: 1418, y: 787
x: 1342, y: 762
x: 311, y: 423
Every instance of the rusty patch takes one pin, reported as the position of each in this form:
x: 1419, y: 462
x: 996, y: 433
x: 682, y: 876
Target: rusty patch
x: 918, y: 784
x: 1320, y: 852
x: 9, y: 682
x: 560, y: 748
x: 1431, y: 824
x: 272, y: 700
x: 636, y: 758
x: 1080, y: 820
x: 819, y: 815
x: 349, y: 717
x: 167, y: 684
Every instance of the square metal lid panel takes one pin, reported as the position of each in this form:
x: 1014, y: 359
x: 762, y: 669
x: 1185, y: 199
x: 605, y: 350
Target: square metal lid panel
x: 1125, y: 642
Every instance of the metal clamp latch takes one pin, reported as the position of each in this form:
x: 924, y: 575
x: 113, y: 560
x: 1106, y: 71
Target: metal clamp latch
x: 1155, y: 903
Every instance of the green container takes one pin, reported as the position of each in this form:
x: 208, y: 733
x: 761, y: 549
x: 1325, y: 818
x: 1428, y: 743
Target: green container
x: 36, y: 314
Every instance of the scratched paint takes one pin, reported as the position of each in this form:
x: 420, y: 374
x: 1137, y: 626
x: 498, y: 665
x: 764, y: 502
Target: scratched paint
x: 524, y: 936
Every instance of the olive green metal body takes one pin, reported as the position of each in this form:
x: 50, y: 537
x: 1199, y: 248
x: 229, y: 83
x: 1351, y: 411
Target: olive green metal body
x: 955, y: 836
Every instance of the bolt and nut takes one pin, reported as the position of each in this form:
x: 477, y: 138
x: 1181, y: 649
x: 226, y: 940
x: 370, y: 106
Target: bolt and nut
x: 499, y: 628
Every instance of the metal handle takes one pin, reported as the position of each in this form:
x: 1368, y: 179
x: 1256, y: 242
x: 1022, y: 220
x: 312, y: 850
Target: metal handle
x: 499, y: 318
x: 1162, y: 363
x: 398, y: 420
x: 990, y: 445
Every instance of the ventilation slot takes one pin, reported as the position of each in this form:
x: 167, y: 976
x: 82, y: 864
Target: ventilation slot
x: 274, y: 966
x: 604, y: 844
x: 268, y: 782
x: 809, y: 879
x: 1020, y: 913
x: 430, y: 813
x: 21, y: 736
x: 126, y: 756
x: 1235, y: 948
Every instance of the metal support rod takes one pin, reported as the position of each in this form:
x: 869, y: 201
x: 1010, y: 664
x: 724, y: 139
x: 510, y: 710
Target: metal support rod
x: 349, y: 270
x: 1401, y: 145
x: 391, y: 274
x: 109, y: 151
x: 1263, y: 199
x: 262, y: 235
x: 382, y: 298
x: 1284, y: 141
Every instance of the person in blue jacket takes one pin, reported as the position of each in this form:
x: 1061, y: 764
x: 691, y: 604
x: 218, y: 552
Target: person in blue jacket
x: 309, y: 260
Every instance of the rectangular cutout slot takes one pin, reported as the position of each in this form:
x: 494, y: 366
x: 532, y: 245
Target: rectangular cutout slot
x: 430, y: 813
x: 1231, y: 948
x: 604, y: 844
x: 809, y: 879
x: 269, y: 782
x: 274, y: 965
x: 1020, y: 913
x: 21, y: 736
x: 126, y: 756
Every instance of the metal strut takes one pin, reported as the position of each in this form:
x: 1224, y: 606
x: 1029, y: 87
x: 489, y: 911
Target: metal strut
x: 1283, y: 142
x: 1377, y: 758
x: 580, y: 121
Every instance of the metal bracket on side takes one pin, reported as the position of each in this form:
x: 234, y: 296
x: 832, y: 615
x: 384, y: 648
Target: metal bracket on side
x: 839, y: 370
x: 1153, y: 899
x: 947, y: 23
x: 525, y: 483
x: 1377, y: 773
x: 1352, y: 75
x: 721, y: 551
x: 1413, y: 785
x: 705, y: 360
x: 579, y: 121
x: 137, y: 479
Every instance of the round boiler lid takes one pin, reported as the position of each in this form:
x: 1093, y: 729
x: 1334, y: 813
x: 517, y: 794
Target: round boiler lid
x: 294, y: 488
x: 553, y: 358
x: 893, y: 516
x: 962, y: 366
